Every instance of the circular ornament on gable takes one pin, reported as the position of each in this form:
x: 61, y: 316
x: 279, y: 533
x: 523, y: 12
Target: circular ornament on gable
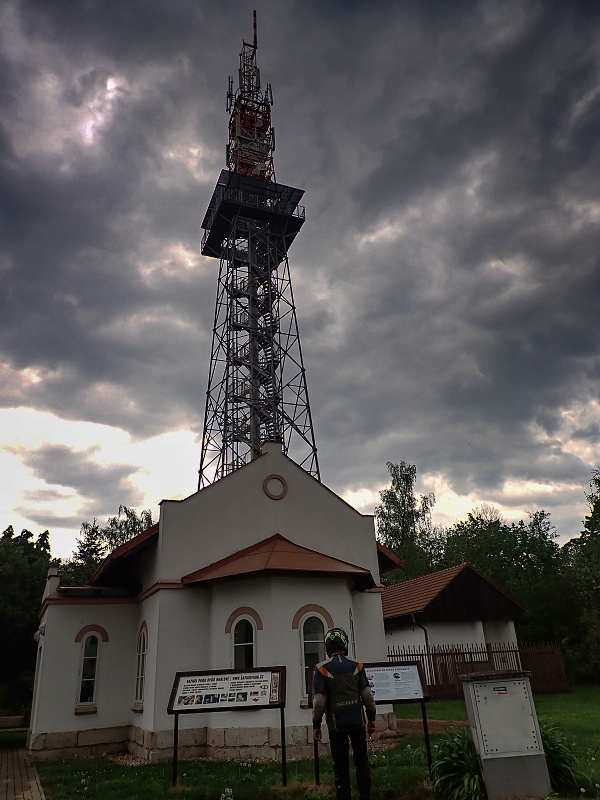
x: 275, y: 487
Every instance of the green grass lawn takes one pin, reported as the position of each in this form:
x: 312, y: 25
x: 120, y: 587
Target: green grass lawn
x: 449, y: 710
x: 397, y: 773
x: 578, y: 714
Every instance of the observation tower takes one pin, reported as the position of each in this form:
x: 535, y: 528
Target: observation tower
x: 257, y: 382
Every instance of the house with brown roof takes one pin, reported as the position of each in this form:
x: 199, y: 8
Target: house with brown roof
x: 455, y: 606
x: 250, y: 571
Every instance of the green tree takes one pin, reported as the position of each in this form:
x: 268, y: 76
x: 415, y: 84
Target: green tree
x: 96, y: 542
x: 582, y: 557
x: 591, y: 524
x: 523, y: 559
x: 90, y: 552
x: 403, y: 523
x: 125, y: 525
x: 23, y: 568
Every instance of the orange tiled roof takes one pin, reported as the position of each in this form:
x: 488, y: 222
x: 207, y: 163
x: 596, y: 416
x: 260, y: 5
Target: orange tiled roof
x: 413, y: 596
x: 278, y: 554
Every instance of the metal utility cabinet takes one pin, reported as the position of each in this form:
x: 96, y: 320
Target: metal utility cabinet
x: 506, y: 733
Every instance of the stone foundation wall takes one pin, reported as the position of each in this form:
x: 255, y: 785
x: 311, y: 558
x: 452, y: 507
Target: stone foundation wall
x: 68, y: 744
x: 225, y: 743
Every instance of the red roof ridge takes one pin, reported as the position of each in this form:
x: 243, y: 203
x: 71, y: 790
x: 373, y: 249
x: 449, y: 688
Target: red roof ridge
x: 123, y: 549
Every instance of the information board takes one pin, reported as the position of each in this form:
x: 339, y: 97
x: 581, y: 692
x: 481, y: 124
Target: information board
x: 394, y: 683
x: 227, y: 690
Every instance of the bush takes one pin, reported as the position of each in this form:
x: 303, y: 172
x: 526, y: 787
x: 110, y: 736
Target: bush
x: 458, y: 775
x: 456, y: 768
x: 561, y: 759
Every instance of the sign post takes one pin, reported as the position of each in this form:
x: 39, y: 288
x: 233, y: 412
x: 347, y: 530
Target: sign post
x: 283, y: 749
x: 175, y: 747
x: 228, y: 690
x: 400, y: 683
x: 390, y: 683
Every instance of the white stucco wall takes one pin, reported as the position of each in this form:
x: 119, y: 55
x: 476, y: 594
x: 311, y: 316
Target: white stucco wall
x: 192, y: 636
x: 58, y: 673
x: 235, y: 512
x: 368, y: 627
x: 405, y: 637
x: 474, y: 632
x: 182, y: 643
x: 468, y: 633
x: 500, y: 631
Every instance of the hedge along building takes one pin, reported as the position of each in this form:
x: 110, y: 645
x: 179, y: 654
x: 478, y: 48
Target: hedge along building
x: 253, y: 568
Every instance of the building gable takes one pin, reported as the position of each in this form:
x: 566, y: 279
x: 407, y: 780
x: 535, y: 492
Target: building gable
x: 269, y: 495
x: 456, y: 594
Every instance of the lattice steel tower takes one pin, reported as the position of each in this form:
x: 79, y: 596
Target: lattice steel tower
x: 257, y: 383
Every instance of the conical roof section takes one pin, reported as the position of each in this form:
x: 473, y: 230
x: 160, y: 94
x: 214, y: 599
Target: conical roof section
x: 278, y: 555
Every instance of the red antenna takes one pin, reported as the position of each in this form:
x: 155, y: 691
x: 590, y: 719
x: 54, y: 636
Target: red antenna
x: 251, y: 136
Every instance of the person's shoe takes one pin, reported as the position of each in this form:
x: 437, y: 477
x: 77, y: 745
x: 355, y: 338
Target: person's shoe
x: 364, y: 790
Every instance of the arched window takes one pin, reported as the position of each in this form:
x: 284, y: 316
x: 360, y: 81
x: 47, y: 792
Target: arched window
x: 312, y: 632
x: 243, y: 644
x: 140, y: 672
x: 89, y: 668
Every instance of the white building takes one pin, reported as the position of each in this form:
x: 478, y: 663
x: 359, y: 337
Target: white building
x: 249, y: 571
x: 457, y: 605
x: 452, y: 622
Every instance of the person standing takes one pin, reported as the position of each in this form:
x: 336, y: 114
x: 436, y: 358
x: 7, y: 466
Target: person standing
x: 341, y: 691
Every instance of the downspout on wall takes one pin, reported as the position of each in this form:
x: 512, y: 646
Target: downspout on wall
x: 429, y: 676
x: 424, y: 629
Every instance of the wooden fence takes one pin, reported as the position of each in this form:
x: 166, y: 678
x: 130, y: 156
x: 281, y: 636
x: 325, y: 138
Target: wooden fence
x: 442, y: 664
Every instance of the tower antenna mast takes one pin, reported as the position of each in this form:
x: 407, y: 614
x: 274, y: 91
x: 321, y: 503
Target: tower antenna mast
x: 257, y: 382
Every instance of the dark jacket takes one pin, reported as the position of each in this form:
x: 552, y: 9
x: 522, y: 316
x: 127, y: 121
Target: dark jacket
x: 341, y: 690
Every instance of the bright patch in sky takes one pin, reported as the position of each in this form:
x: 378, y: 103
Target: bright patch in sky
x: 162, y: 467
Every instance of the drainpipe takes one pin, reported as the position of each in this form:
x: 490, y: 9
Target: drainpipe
x: 428, y: 678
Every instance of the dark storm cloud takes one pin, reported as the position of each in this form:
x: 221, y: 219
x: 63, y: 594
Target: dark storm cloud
x: 99, y: 489
x: 447, y: 277
x: 591, y: 433
x: 79, y: 225
x: 75, y: 469
x: 496, y: 350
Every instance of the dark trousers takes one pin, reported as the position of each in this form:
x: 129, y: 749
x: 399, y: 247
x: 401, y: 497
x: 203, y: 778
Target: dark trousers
x: 339, y: 742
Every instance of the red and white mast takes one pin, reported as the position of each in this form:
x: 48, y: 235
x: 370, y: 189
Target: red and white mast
x: 251, y: 135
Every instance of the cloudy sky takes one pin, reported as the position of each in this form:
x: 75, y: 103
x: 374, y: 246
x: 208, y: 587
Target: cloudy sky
x: 447, y: 278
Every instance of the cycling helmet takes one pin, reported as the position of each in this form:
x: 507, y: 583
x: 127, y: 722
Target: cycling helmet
x: 336, y: 640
